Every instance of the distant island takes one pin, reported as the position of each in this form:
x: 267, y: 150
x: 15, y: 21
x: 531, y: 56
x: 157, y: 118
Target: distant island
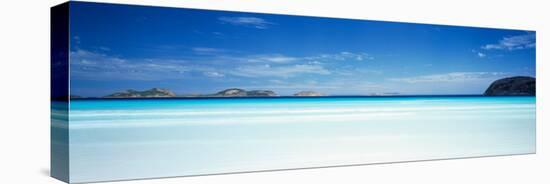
x: 152, y: 93
x: 511, y: 86
x: 231, y: 92
x: 165, y: 93
x: 308, y: 93
x: 236, y: 92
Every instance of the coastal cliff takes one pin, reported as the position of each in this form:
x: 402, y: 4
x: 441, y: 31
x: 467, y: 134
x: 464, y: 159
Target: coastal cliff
x: 512, y: 86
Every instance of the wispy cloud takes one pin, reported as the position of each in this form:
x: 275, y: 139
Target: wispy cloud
x: 451, y: 77
x: 347, y: 86
x: 97, y: 66
x: 254, y: 22
x: 318, y: 59
x: 481, y: 55
x: 513, y: 43
x: 314, y: 59
x: 278, y: 65
x: 207, y: 50
x: 279, y: 71
x: 210, y: 63
x: 271, y: 58
x: 343, y: 56
x: 213, y: 74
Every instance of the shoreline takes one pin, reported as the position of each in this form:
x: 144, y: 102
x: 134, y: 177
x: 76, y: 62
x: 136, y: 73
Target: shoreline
x: 299, y: 97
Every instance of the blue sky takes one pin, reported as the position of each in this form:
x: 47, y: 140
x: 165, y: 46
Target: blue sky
x: 117, y: 47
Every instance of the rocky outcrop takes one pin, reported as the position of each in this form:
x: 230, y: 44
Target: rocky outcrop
x: 165, y: 93
x: 512, y: 86
x: 236, y: 92
x: 261, y: 93
x: 152, y: 93
x: 233, y: 92
x: 308, y: 93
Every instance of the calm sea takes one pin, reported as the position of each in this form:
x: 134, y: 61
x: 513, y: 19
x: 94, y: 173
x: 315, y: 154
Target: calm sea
x: 117, y: 139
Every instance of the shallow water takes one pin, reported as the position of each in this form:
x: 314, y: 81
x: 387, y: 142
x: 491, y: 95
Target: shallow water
x: 121, y: 139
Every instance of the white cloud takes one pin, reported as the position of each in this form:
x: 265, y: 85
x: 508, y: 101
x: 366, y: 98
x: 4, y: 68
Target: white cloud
x: 222, y: 55
x: 347, y: 86
x: 255, y: 22
x: 97, y: 66
x: 313, y: 60
x: 481, y: 55
x: 279, y: 71
x: 208, y: 62
x: 104, y: 48
x: 514, y: 43
x: 206, y: 50
x: 451, y: 77
x: 275, y: 58
x: 213, y: 74
x: 342, y: 56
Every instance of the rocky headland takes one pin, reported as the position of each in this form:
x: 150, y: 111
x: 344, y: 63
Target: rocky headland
x: 512, y: 86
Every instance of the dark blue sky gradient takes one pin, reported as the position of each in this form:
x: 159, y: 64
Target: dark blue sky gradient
x: 118, y: 47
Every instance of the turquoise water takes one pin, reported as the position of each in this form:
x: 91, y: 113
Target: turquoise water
x: 143, y: 138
